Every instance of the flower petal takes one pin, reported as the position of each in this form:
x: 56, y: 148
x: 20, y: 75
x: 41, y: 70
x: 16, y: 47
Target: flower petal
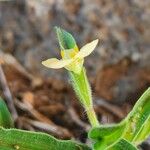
x: 87, y: 49
x: 56, y: 63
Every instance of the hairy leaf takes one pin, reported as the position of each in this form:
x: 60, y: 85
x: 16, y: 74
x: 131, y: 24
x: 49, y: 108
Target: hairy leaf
x: 122, y: 144
x: 135, y: 128
x: 107, y: 134
x: 14, y: 139
x: 138, y: 120
x: 144, y: 133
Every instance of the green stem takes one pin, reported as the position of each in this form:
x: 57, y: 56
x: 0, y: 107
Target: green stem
x: 83, y: 91
x: 92, y: 117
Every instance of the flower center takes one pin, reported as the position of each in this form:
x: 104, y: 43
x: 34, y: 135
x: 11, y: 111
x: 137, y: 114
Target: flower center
x: 69, y: 53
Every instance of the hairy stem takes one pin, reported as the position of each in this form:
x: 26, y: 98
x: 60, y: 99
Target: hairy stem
x: 83, y: 91
x: 92, y: 117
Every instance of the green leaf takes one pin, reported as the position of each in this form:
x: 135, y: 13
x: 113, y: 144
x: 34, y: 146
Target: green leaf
x: 106, y: 135
x: 144, y: 132
x: 4, y: 148
x: 66, y: 40
x: 5, y: 116
x: 138, y: 125
x: 135, y: 128
x: 122, y: 144
x: 15, y: 139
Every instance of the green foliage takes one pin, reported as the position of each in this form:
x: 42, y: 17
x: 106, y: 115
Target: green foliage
x: 66, y: 40
x: 137, y: 118
x: 135, y: 128
x: 14, y: 139
x: 143, y: 133
x: 122, y: 144
x: 5, y: 117
x: 105, y: 135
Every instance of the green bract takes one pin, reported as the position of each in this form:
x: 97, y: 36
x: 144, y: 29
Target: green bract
x: 66, y: 40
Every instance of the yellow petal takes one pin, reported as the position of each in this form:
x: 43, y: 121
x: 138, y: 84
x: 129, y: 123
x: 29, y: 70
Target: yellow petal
x: 56, y: 63
x: 87, y: 49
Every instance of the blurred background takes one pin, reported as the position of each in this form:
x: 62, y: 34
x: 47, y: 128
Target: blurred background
x: 118, y: 69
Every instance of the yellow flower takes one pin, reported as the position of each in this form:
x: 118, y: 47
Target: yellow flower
x: 72, y: 59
